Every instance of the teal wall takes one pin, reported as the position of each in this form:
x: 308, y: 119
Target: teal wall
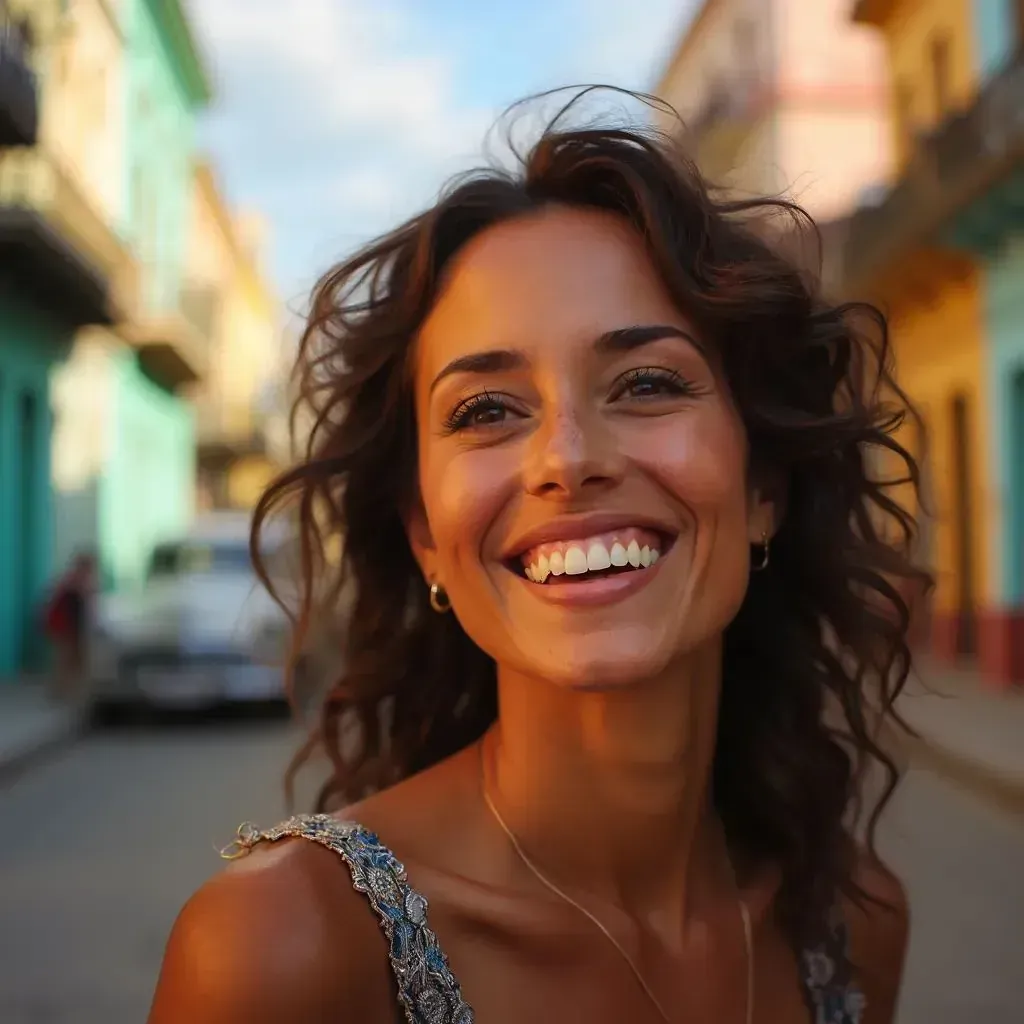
x: 1003, y: 297
x: 994, y: 229
x: 995, y: 34
x: 148, y: 491
x: 30, y: 342
x: 159, y: 145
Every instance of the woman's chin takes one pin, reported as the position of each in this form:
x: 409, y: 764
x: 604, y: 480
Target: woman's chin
x: 597, y: 665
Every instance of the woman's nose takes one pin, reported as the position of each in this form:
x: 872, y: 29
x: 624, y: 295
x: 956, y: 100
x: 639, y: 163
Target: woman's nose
x: 572, y: 452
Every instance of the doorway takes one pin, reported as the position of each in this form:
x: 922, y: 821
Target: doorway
x: 963, y: 533
x: 1015, y: 526
x: 26, y: 530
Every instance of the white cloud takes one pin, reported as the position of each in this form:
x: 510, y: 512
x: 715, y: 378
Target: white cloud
x: 368, y: 189
x: 621, y: 46
x: 340, y: 117
x: 360, y: 122
x: 343, y: 66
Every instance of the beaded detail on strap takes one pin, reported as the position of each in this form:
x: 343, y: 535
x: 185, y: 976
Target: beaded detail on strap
x: 829, y: 987
x: 428, y: 991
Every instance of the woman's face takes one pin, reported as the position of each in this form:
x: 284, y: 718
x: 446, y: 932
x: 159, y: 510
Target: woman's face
x: 583, y: 471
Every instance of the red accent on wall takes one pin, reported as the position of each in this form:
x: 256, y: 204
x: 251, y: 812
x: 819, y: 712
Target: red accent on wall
x: 1001, y: 646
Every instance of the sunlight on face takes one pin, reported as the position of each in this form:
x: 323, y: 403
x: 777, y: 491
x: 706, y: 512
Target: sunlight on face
x: 582, y: 467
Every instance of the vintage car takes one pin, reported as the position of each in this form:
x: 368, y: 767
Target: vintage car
x: 202, y: 631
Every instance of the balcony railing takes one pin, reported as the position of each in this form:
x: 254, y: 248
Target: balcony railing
x: 228, y: 431
x: 60, y: 240
x: 725, y: 121
x: 172, y: 349
x: 964, y: 158
x: 19, y: 96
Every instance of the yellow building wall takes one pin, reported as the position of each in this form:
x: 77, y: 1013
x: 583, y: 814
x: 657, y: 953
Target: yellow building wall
x: 911, y: 29
x: 243, y: 355
x: 938, y: 357
x: 224, y: 258
x: 817, y: 131
x: 934, y: 302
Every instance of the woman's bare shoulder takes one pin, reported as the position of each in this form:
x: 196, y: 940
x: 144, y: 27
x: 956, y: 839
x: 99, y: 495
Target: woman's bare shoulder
x: 879, y: 929
x: 279, y: 936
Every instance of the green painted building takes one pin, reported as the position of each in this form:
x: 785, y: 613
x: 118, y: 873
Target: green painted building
x: 32, y: 337
x: 125, y: 464
x: 54, y: 278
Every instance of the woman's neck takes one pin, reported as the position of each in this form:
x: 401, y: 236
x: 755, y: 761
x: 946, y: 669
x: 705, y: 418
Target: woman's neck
x: 609, y: 792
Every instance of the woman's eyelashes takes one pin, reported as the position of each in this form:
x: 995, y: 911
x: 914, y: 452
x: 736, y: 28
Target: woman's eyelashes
x: 485, y: 410
x: 489, y: 410
x: 647, y: 382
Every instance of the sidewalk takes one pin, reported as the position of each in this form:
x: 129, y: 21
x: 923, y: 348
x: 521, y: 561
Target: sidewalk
x: 32, y: 722
x: 967, y: 730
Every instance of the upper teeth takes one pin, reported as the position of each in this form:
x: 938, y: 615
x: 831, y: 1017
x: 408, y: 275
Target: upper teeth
x: 575, y: 558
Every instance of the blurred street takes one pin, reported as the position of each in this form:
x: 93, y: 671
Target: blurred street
x: 104, y: 842
x: 101, y: 846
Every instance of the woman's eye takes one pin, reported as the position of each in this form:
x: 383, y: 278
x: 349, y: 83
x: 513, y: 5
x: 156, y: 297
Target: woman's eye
x: 642, y: 388
x: 483, y: 416
x: 651, y: 383
x: 477, y: 412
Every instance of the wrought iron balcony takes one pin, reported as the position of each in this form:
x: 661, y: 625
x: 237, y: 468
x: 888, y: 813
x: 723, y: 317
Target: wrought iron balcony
x: 56, y: 243
x: 171, y: 348
x: 963, y: 159
x: 19, y: 95
x: 725, y: 121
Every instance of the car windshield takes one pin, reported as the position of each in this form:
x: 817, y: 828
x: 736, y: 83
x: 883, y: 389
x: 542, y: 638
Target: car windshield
x: 190, y: 557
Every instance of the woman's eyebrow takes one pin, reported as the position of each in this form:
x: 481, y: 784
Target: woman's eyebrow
x: 494, y: 361
x: 622, y: 339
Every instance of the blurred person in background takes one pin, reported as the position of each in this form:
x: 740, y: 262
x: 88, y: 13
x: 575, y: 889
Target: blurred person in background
x: 66, y: 620
x: 599, y: 456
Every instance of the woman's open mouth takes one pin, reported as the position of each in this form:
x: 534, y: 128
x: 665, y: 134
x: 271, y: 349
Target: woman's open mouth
x: 584, y: 559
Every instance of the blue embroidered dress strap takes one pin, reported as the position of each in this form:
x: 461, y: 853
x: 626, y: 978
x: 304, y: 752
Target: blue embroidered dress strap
x: 427, y: 989
x: 832, y: 994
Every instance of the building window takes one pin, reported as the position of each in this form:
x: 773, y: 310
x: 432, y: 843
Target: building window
x: 906, y: 127
x: 940, y: 75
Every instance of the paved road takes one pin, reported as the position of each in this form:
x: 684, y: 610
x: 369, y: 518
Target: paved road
x: 962, y: 861
x: 100, y: 846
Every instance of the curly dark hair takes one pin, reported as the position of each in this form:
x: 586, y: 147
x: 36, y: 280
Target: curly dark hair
x: 818, y: 651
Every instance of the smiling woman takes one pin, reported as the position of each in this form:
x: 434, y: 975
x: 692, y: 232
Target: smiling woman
x: 623, y: 604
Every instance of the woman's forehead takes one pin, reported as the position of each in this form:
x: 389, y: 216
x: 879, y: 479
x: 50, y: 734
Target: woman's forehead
x: 558, y: 274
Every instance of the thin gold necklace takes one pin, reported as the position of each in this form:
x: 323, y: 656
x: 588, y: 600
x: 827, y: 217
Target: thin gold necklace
x: 544, y: 880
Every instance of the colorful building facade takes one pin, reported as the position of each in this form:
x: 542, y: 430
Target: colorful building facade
x: 226, y: 278
x: 939, y: 252
x: 62, y: 266
x: 782, y: 96
x: 124, y: 454
x: 991, y: 226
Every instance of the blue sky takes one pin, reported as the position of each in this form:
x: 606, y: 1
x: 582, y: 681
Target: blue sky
x: 337, y: 118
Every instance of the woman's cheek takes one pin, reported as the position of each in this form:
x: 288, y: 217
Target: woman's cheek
x: 463, y: 497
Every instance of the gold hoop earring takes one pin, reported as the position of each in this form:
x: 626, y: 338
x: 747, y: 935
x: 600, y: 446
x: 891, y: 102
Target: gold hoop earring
x: 765, y: 552
x: 439, y: 598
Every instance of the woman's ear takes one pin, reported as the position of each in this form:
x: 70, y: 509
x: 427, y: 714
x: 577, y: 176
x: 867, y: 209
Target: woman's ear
x: 421, y: 540
x: 767, y: 507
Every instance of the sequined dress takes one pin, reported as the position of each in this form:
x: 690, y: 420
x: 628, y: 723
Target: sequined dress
x: 429, y: 992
